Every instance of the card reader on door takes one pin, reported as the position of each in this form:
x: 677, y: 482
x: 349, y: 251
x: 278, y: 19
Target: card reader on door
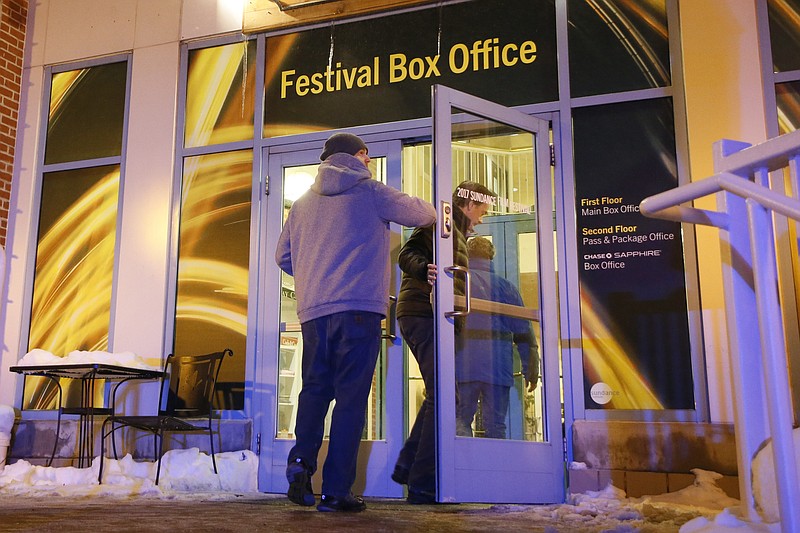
x: 446, y: 218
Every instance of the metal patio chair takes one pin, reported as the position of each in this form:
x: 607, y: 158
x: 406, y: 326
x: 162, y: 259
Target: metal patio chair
x: 189, y: 382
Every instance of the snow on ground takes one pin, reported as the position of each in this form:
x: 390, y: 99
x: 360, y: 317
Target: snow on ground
x: 188, y: 474
x: 182, y: 472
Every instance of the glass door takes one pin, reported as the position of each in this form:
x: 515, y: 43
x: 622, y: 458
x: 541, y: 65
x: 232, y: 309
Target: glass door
x: 291, y: 173
x: 499, y: 426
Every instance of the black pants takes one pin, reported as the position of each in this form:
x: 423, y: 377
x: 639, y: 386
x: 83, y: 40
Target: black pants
x: 339, y: 356
x: 419, y: 452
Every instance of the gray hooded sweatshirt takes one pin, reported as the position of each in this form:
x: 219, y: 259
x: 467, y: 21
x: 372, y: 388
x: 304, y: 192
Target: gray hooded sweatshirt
x: 335, y: 241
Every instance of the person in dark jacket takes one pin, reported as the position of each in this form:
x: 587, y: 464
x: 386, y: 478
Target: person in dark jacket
x: 335, y: 243
x: 416, y: 464
x: 485, y: 348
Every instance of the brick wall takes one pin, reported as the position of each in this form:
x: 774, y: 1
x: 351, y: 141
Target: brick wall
x: 644, y: 457
x: 13, y: 15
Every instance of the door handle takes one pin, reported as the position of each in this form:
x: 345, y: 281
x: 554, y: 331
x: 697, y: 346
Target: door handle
x: 467, y: 290
x: 446, y: 218
x: 391, y: 320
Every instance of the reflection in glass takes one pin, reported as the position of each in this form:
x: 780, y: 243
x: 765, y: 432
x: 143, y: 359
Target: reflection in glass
x: 297, y: 180
x: 213, y: 263
x: 503, y: 160
x: 503, y: 163
x: 86, y: 114
x: 71, y: 306
x: 497, y: 350
x: 497, y: 355
x: 528, y: 282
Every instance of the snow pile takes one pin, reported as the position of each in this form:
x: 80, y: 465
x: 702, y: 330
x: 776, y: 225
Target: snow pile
x: 182, y: 471
x: 610, y: 510
x: 704, y: 492
x: 727, y: 522
x: 39, y: 357
x: 609, y: 503
x: 702, y: 507
x: 765, y: 489
x: 7, y: 416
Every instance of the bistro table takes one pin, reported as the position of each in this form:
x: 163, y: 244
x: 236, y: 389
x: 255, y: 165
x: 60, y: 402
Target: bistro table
x: 88, y: 373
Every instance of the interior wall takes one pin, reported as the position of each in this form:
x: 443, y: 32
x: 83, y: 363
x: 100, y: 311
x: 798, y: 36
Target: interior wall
x: 724, y: 96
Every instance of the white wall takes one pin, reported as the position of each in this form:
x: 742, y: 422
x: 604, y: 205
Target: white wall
x: 70, y: 30
x: 724, y: 100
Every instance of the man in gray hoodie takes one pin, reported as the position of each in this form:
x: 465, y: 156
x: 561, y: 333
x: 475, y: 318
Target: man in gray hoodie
x: 335, y: 243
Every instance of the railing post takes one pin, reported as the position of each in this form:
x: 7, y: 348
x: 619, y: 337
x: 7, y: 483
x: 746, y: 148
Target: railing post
x: 773, y: 351
x: 750, y: 415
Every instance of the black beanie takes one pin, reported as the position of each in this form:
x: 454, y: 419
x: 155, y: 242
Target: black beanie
x: 342, y: 142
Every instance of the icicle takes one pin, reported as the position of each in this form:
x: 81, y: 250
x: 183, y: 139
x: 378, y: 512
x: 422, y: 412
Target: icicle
x: 439, y: 33
x: 244, y: 76
x: 330, y: 54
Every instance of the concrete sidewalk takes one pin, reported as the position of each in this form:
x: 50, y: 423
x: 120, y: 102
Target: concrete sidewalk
x: 265, y: 512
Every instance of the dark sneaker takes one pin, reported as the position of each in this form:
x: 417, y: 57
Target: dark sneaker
x: 300, y: 491
x: 348, y: 504
x: 420, y: 497
x: 400, y: 474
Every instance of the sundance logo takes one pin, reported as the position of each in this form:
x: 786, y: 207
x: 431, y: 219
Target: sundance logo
x: 601, y: 393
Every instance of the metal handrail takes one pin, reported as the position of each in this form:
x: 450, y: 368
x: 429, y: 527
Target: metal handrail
x: 667, y: 204
x: 764, y: 384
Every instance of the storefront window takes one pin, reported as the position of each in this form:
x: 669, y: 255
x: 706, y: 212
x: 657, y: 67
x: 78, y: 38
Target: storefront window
x: 219, y: 94
x: 74, y: 270
x: 86, y: 113
x: 214, y: 225
x: 784, y: 30
x: 77, y: 232
x: 617, y: 45
x: 213, y: 264
x: 788, y: 99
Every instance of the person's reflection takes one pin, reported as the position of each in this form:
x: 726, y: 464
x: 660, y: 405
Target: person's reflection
x: 484, y: 357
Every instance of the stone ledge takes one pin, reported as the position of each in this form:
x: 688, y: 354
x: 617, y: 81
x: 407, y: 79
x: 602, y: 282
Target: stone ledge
x: 33, y: 440
x: 638, y: 484
x: 668, y: 447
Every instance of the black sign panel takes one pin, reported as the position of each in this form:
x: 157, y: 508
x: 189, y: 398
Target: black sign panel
x: 634, y: 314
x: 381, y: 70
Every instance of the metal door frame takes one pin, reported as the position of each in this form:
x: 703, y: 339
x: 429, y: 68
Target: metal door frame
x: 375, y: 457
x: 457, y: 457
